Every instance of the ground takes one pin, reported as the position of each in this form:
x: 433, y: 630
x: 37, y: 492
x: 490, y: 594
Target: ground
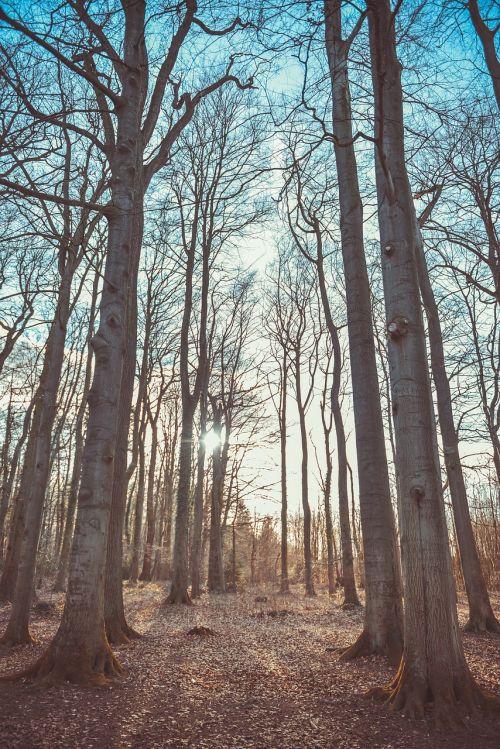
x: 263, y: 680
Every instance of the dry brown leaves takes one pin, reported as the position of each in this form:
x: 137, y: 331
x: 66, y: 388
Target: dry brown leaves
x: 262, y: 681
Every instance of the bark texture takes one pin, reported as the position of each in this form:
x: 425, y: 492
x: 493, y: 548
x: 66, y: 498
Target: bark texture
x: 433, y: 664
x: 383, y: 615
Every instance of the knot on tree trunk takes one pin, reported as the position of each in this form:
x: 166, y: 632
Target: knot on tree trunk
x: 398, y: 328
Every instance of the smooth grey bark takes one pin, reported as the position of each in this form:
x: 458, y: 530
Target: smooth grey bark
x: 382, y: 631
x: 433, y: 664
x: 118, y: 631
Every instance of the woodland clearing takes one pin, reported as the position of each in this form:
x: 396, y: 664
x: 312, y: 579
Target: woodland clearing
x: 268, y: 677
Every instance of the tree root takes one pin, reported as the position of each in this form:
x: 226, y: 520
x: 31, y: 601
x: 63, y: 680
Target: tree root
x: 120, y: 633
x: 479, y: 624
x: 57, y: 666
x: 363, y: 647
x: 454, y: 699
x: 178, y: 595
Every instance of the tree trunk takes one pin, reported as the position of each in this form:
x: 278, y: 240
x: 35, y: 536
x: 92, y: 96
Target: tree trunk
x: 481, y: 616
x: 487, y: 39
x: 216, y: 581
x: 308, y: 570
x: 196, y: 541
x: 180, y: 573
x: 284, y: 585
x: 433, y: 664
x: 80, y: 651
x: 17, y: 631
x: 382, y: 631
x: 8, y: 484
x: 328, y: 516
x: 62, y: 569
x: 150, y: 507
x: 118, y: 631
x: 139, y: 510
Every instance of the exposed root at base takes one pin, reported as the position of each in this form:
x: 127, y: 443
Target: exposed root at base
x: 120, y: 633
x: 57, y: 666
x: 451, y: 703
x: 479, y: 624
x: 363, y: 647
x: 179, y: 597
x: 348, y: 605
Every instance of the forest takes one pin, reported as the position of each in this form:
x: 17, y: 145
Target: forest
x: 249, y: 374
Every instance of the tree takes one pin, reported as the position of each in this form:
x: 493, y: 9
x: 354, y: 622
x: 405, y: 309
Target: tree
x: 216, y: 201
x: 73, y: 245
x: 277, y: 320
x: 486, y: 36
x: 433, y: 661
x: 481, y: 616
x: 305, y: 225
x: 295, y: 291
x: 80, y: 651
x: 382, y: 630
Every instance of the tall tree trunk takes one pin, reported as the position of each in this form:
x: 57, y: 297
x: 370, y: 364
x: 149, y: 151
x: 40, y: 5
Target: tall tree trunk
x: 17, y: 631
x: 62, y: 569
x: 216, y: 581
x: 284, y: 584
x: 196, y: 541
x: 139, y: 511
x: 382, y: 631
x: 308, y: 570
x: 80, y: 651
x: 150, y: 507
x: 118, y: 631
x: 180, y: 577
x: 327, y: 488
x: 481, y: 616
x: 433, y: 664
x: 8, y: 484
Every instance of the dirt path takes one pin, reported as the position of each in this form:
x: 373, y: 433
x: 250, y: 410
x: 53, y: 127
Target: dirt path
x: 260, y: 682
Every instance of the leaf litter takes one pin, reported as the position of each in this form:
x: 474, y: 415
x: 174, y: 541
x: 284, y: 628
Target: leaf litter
x: 231, y: 672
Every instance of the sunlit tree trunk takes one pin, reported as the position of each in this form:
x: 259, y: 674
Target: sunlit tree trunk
x: 196, y: 542
x: 216, y: 581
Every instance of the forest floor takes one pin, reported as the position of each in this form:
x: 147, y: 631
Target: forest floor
x: 261, y: 681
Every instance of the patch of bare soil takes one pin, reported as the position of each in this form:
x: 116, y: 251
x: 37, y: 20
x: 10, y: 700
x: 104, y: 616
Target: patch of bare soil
x: 259, y: 682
